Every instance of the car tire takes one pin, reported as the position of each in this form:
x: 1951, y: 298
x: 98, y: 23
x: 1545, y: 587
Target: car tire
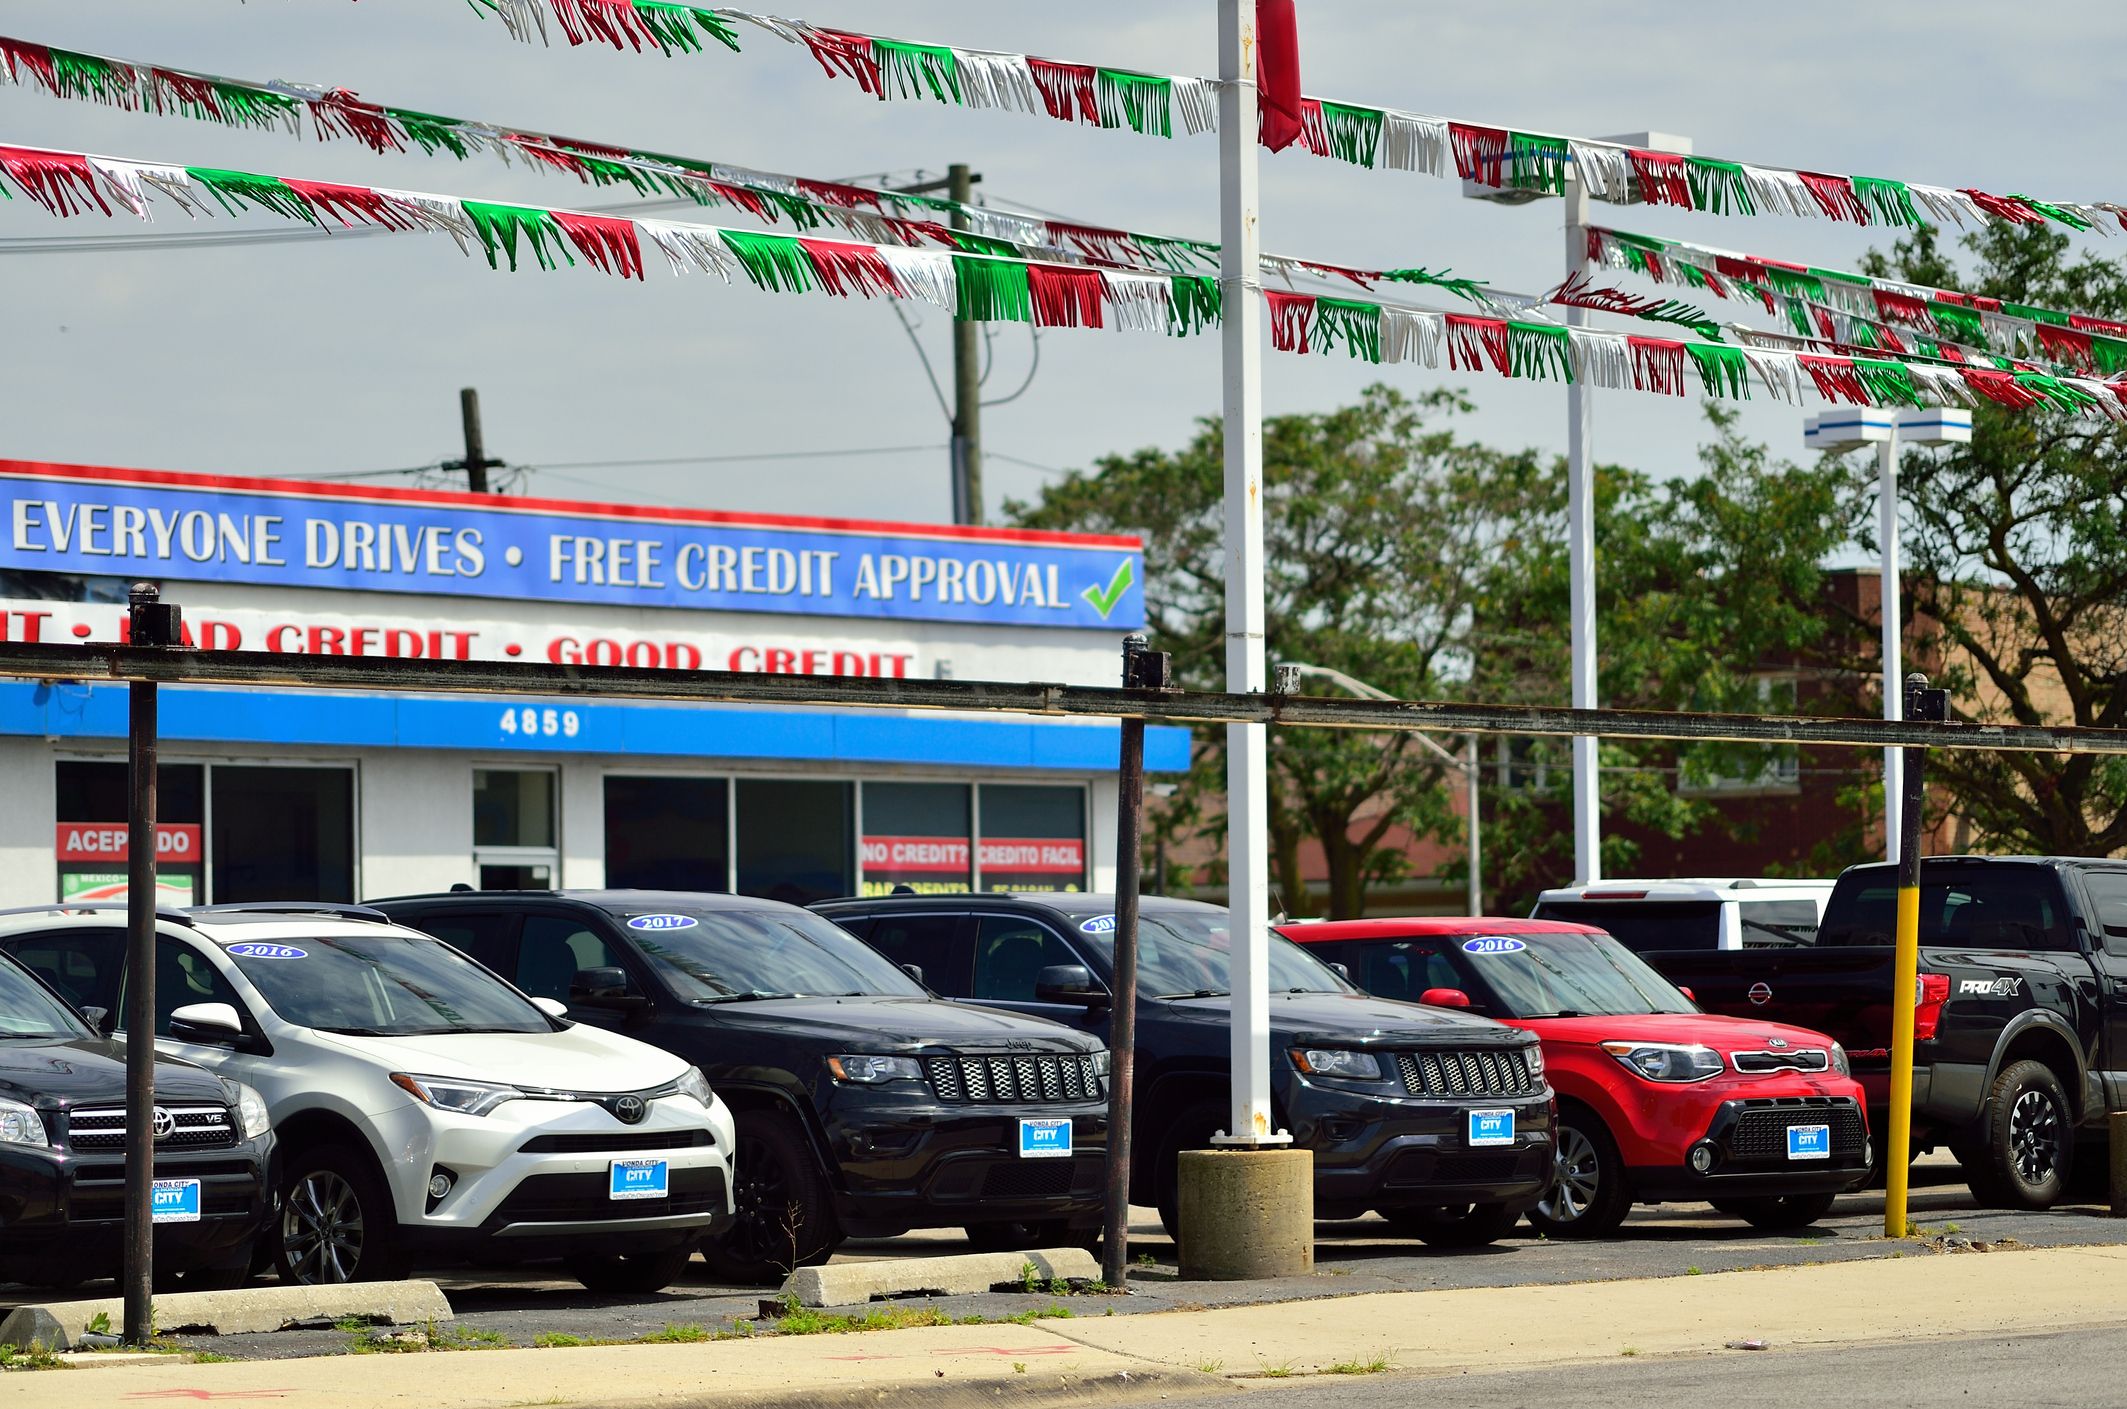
x: 631, y: 1273
x: 785, y: 1213
x: 1191, y: 1130
x: 1776, y: 1211
x: 1457, y: 1226
x: 2029, y: 1134
x: 337, y: 1223
x: 1020, y: 1235
x: 225, y: 1278
x: 1592, y: 1193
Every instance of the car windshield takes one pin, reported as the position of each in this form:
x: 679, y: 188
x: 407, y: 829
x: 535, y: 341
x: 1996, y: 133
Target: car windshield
x: 383, y: 985
x: 1560, y: 975
x: 27, y: 1010
x: 1183, y: 954
x: 722, y: 956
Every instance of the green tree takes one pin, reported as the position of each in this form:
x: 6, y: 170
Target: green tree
x: 2018, y: 548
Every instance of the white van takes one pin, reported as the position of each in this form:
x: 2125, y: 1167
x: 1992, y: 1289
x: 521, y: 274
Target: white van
x: 1701, y: 913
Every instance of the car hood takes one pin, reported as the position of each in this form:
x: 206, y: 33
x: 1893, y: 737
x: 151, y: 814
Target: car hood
x: 894, y: 1026
x: 1723, y: 1034
x: 1357, y: 1020
x: 579, y: 1058
x: 92, y: 1071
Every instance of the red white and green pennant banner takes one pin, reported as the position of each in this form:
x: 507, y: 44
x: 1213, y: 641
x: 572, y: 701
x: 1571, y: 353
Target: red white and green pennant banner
x: 873, y: 214
x: 984, y: 287
x: 1816, y: 300
x: 1357, y: 133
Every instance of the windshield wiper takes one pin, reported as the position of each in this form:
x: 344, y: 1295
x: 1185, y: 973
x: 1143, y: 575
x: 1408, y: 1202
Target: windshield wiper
x: 361, y: 1032
x: 753, y: 997
x: 1199, y: 993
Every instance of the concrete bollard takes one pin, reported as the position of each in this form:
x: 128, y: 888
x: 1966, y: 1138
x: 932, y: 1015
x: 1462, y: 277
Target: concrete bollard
x: 2116, y: 1128
x: 1246, y: 1214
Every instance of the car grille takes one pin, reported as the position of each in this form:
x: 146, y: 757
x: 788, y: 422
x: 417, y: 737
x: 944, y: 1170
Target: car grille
x: 586, y: 1198
x: 1760, y: 1132
x: 1806, y: 1059
x: 198, y: 1128
x: 624, y: 1143
x: 1014, y: 1080
x: 225, y: 1186
x: 1030, y: 1179
x: 1418, y: 1168
x: 1491, y: 1072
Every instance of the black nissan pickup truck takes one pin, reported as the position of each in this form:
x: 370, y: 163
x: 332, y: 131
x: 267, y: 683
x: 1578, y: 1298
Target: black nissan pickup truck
x: 2020, y: 1023
x: 1438, y: 1120
x: 62, y: 1153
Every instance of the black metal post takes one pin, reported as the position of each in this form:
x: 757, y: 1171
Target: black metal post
x: 150, y: 623
x: 476, y: 461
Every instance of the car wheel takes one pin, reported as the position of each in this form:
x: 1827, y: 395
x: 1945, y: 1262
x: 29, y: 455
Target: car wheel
x: 1457, y: 1226
x: 785, y: 1218
x: 1592, y: 1194
x: 1024, y: 1234
x: 337, y: 1223
x: 2030, y: 1140
x: 631, y: 1273
x: 1778, y: 1210
x: 1192, y: 1130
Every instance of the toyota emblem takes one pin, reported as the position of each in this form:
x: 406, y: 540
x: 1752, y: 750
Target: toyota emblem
x: 630, y: 1110
x: 165, y: 1124
x: 1761, y: 993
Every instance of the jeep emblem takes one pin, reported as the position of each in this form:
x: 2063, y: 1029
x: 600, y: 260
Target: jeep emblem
x: 1761, y: 993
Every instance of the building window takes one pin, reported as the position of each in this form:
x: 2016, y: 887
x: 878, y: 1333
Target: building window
x: 668, y: 833
x: 91, y: 845
x: 916, y: 835
x: 1033, y: 838
x: 515, y: 836
x: 797, y: 839
x: 282, y: 833
x: 1717, y: 769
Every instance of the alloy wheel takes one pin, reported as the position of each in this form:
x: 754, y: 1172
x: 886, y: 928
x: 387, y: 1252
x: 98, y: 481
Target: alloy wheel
x: 760, y: 1198
x: 321, y: 1229
x: 1578, y: 1173
x: 2034, y: 1137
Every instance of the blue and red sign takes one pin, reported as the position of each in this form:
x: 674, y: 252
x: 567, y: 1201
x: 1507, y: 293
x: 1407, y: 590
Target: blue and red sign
x: 283, y: 533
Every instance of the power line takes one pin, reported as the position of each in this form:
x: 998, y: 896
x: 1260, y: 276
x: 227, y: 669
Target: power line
x: 735, y: 459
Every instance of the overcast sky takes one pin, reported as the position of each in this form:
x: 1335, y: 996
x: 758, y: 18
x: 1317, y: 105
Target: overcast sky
x: 311, y: 359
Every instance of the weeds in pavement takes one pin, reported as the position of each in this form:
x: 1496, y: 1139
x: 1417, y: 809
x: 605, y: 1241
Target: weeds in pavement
x: 558, y: 1340
x: 1029, y: 1278
x: 1629, y: 1351
x: 1019, y: 1367
x: 1210, y: 1367
x: 1277, y: 1372
x: 1693, y: 1272
x: 374, y: 1340
x: 1359, y: 1367
x: 37, y: 1356
x: 676, y: 1335
x: 211, y: 1357
x: 799, y: 1320
x: 100, y: 1323
x: 1951, y: 1228
x: 1146, y: 1259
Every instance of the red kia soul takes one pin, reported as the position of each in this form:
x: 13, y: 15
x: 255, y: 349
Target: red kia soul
x: 1657, y: 1101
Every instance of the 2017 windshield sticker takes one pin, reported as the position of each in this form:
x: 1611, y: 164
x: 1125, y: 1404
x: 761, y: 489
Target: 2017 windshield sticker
x: 1493, y: 946
x: 662, y: 922
x: 268, y: 951
x: 1099, y: 924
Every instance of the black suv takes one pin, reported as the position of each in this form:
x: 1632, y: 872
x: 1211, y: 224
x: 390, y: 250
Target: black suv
x: 864, y: 1106
x: 1451, y: 1150
x: 62, y: 1152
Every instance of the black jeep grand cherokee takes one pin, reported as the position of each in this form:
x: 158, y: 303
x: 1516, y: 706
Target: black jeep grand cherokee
x: 1453, y: 1163
x: 864, y: 1106
x: 62, y: 1152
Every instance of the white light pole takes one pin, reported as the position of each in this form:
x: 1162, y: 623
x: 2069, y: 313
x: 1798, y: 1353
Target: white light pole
x: 1580, y: 505
x: 1467, y: 765
x: 1849, y: 429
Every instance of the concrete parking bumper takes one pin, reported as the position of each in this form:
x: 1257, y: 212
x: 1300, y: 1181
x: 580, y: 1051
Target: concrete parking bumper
x: 59, y: 1325
x: 854, y: 1283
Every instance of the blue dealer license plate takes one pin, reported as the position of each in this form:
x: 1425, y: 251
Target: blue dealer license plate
x: 1491, y: 1127
x: 640, y: 1179
x: 174, y: 1201
x: 1045, y: 1138
x: 1809, y: 1142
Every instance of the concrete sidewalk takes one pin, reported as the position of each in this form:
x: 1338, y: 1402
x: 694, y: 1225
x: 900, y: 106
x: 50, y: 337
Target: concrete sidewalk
x: 1177, y: 1355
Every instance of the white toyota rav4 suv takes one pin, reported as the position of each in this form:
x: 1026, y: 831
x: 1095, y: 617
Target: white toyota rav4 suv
x: 427, y: 1111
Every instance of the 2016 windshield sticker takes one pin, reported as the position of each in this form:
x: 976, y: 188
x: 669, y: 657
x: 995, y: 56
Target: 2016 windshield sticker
x: 268, y: 951
x: 662, y: 922
x: 1493, y: 946
x: 1099, y: 924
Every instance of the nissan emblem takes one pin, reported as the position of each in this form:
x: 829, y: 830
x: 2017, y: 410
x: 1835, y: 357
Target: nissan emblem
x: 1761, y: 993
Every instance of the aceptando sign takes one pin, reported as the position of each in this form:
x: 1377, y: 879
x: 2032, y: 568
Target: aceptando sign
x: 284, y: 533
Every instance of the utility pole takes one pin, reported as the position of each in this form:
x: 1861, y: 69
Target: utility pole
x: 475, y: 464
x: 967, y: 380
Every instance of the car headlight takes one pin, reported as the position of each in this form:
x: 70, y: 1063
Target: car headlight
x: 1100, y: 1063
x: 251, y: 1117
x: 1667, y: 1061
x: 693, y: 1083
x: 21, y: 1125
x: 1840, y: 1063
x: 1335, y: 1062
x: 1533, y: 1054
x: 449, y: 1093
x: 870, y: 1071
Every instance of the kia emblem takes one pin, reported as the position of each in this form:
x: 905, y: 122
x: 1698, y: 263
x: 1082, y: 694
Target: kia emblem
x: 1761, y: 993
x: 630, y: 1110
x: 1779, y: 1043
x: 165, y: 1124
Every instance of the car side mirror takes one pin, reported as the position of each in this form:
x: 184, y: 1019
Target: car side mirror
x: 99, y: 1019
x: 208, y: 1024
x: 914, y: 971
x: 1069, y: 983
x: 1444, y: 998
x: 605, y: 989
x: 552, y: 1007
x: 1341, y: 972
x: 1688, y: 994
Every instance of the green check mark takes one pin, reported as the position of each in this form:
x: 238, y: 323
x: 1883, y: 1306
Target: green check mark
x: 1104, y: 599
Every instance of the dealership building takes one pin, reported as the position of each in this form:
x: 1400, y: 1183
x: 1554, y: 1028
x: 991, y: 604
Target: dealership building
x: 338, y: 795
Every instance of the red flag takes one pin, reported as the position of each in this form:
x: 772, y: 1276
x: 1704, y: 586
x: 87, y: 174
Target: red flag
x: 1278, y: 74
